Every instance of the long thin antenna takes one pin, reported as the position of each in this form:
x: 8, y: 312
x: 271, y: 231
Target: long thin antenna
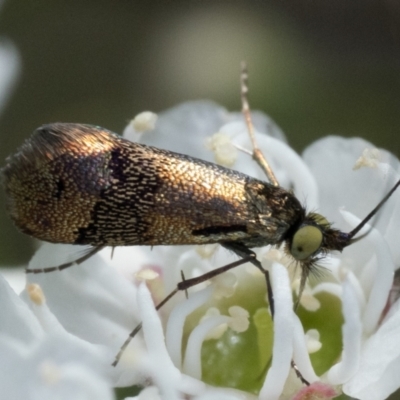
x: 90, y: 252
x: 372, y: 213
x: 257, y: 154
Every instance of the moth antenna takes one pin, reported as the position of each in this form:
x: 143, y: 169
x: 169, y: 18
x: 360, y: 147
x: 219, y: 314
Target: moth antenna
x: 257, y: 155
x: 371, y: 214
x: 91, y: 252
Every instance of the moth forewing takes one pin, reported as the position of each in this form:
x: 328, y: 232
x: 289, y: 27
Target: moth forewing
x: 73, y: 183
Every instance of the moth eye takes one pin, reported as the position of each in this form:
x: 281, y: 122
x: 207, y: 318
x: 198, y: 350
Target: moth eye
x: 306, y: 241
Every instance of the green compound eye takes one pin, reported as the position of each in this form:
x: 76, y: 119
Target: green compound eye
x: 306, y: 241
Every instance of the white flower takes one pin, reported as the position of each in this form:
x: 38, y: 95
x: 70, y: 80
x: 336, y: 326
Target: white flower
x: 40, y: 359
x: 355, y: 347
x: 371, y: 356
x: 9, y: 70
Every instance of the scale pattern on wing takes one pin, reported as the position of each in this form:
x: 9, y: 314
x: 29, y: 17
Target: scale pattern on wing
x: 80, y: 184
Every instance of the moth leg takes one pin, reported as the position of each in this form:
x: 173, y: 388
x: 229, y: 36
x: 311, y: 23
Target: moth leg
x: 257, y: 155
x: 242, y: 251
x: 183, y: 286
x: 299, y: 374
x: 80, y: 260
x: 183, y: 280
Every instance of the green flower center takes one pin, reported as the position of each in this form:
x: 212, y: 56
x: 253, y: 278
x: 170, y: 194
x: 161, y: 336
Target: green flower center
x: 241, y: 360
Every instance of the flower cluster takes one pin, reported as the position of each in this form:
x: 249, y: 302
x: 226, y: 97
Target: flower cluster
x: 61, y: 334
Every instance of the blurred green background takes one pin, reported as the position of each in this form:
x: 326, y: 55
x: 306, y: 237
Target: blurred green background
x: 317, y: 67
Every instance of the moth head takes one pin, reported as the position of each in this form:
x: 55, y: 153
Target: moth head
x: 310, y: 242
x: 316, y: 236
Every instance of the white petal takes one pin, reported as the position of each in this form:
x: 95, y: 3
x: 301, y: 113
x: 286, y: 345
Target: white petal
x: 9, y: 70
x: 192, y: 363
x: 352, y: 334
x: 16, y: 319
x: 383, y: 277
x: 331, y: 161
x: 185, y: 127
x: 283, y: 334
x: 176, y: 321
x: 91, y: 300
x: 300, y: 355
x: 46, y: 318
x: 379, y: 372
x: 58, y: 366
x: 328, y: 287
x: 159, y: 364
x: 15, y: 277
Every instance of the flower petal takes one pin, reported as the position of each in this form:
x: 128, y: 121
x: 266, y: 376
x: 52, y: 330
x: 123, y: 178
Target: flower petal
x: 379, y: 372
x: 352, y: 334
x: 57, y: 366
x: 283, y: 334
x: 16, y: 319
x: 176, y: 321
x: 9, y: 70
x: 331, y: 160
x: 383, y: 276
x: 300, y: 354
x: 91, y: 300
x: 167, y: 377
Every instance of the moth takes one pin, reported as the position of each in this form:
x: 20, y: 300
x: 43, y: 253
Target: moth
x: 82, y: 184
